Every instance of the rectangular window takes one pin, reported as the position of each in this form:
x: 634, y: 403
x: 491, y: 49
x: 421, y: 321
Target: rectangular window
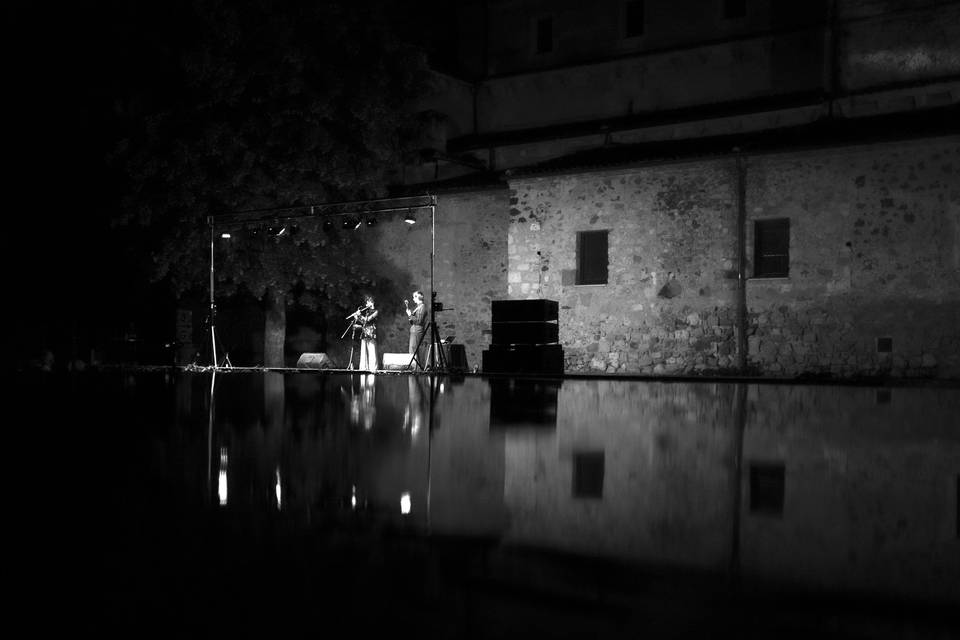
x: 588, y: 474
x: 734, y: 9
x: 767, y: 488
x: 633, y: 18
x: 592, y: 257
x: 545, y: 35
x: 771, y: 256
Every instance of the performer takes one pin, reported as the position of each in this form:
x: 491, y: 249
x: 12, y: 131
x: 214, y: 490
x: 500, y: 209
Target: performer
x: 418, y: 320
x: 368, y: 335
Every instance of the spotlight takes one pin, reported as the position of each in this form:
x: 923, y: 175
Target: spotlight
x: 348, y: 223
x: 328, y: 225
x: 371, y: 222
x: 409, y: 219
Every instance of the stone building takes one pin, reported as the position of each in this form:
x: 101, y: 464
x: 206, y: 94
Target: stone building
x: 706, y: 185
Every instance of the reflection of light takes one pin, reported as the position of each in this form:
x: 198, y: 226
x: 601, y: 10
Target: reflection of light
x: 278, y: 488
x: 222, y: 477
x: 353, y: 497
x: 405, y: 502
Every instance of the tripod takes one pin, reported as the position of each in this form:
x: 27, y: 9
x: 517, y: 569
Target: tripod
x: 215, y: 344
x: 434, y: 354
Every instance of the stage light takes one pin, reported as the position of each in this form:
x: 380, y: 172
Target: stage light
x: 348, y: 223
x: 328, y: 225
x: 371, y: 222
x: 409, y: 219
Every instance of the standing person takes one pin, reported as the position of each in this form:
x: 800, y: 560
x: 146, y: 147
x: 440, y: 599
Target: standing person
x: 368, y: 335
x: 418, y: 320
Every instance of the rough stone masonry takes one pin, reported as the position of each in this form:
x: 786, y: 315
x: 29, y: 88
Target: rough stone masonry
x: 874, y: 263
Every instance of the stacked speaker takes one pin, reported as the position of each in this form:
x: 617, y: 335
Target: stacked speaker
x: 525, y: 337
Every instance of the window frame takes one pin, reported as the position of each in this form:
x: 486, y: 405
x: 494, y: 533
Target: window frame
x: 760, y: 257
x: 581, y: 257
x: 725, y: 10
x: 625, y: 14
x: 537, y: 21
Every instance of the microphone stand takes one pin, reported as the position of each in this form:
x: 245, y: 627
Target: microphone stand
x: 353, y: 325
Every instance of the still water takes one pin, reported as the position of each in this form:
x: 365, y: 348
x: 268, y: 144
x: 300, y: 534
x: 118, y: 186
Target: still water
x: 476, y: 507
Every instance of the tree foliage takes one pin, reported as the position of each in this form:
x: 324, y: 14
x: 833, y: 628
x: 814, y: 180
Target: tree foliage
x: 257, y: 105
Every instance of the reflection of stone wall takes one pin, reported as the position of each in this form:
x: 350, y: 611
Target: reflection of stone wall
x: 667, y: 483
x: 870, y: 497
x: 467, y: 461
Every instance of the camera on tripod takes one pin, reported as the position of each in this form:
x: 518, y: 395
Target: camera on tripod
x: 436, y: 306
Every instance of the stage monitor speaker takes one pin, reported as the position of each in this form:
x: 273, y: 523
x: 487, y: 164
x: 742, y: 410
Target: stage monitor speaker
x: 314, y: 361
x: 395, y: 361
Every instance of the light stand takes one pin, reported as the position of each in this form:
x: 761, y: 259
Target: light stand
x: 213, y: 308
x: 431, y: 328
x: 213, y: 304
x: 433, y: 294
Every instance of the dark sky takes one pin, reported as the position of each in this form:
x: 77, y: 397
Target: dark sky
x: 66, y: 62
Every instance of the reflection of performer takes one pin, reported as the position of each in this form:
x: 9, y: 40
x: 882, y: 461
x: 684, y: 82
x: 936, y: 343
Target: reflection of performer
x: 368, y: 337
x: 368, y: 401
x: 418, y: 318
x: 413, y: 418
x: 362, y: 403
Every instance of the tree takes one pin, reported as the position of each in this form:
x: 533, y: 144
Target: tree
x: 256, y: 105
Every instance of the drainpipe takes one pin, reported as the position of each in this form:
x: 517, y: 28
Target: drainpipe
x: 740, y: 427
x: 741, y: 262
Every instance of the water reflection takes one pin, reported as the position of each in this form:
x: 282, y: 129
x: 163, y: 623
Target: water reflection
x: 817, y: 487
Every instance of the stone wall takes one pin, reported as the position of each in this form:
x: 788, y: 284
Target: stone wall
x: 874, y: 253
x: 668, y: 306
x: 699, y: 75
x: 881, y: 45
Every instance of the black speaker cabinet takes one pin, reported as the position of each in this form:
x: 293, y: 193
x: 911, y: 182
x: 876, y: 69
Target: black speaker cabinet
x: 538, y: 310
x: 524, y: 359
x: 524, y: 332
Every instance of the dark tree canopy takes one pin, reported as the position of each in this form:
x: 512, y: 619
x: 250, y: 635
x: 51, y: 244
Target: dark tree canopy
x: 256, y: 105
